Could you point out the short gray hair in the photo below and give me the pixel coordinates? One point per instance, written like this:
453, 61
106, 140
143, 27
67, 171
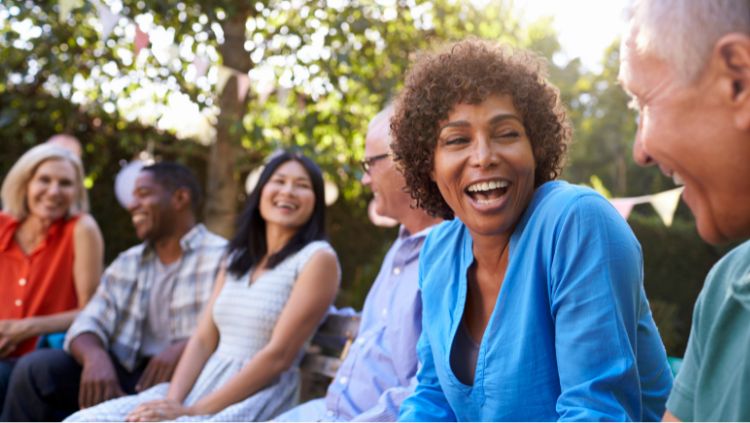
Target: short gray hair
13, 191
683, 32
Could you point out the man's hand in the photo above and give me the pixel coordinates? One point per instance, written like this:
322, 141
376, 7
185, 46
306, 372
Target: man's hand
98, 381
159, 410
161, 366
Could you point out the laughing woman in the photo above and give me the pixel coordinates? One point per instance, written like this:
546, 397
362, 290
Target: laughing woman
533, 301
281, 277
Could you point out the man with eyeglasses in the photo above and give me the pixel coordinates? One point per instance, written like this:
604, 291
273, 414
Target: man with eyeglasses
382, 362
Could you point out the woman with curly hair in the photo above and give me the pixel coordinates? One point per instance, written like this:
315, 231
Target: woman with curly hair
532, 292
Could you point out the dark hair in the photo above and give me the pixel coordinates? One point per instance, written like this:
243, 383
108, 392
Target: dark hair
248, 246
174, 176
468, 72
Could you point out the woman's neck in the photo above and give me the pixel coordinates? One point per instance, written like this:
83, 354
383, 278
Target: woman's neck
277, 237
491, 251
31, 232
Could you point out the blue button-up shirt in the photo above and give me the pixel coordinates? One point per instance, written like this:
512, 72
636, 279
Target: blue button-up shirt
375, 376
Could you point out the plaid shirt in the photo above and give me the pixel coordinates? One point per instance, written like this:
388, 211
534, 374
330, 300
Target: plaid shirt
117, 312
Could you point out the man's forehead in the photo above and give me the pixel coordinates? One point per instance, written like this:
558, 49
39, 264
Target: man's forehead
378, 132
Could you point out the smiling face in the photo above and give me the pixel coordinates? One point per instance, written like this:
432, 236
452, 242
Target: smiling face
690, 132
151, 210
287, 200
484, 165
51, 190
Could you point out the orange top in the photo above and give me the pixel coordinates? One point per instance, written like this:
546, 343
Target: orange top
40, 283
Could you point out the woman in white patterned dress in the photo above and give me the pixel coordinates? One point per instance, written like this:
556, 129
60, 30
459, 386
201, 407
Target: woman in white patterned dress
279, 279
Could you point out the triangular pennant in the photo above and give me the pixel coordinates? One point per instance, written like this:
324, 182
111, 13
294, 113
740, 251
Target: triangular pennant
201, 65
67, 6
243, 84
107, 18
140, 41
222, 78
623, 206
665, 203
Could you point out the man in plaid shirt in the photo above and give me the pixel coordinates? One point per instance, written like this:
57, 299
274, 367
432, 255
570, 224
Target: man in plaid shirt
131, 334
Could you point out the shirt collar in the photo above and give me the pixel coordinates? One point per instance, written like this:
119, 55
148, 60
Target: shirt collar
404, 234
190, 241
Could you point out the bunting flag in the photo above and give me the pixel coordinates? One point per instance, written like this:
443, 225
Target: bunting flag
67, 6
222, 78
107, 18
140, 41
243, 84
201, 65
665, 203
623, 205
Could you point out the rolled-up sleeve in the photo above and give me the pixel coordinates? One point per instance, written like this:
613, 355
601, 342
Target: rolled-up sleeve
99, 316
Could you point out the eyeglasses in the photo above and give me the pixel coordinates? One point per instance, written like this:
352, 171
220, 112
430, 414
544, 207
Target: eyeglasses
369, 161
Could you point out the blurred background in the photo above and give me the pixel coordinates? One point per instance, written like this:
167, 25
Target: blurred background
218, 85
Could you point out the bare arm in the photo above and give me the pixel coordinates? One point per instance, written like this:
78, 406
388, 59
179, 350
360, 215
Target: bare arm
313, 292
87, 269
99, 380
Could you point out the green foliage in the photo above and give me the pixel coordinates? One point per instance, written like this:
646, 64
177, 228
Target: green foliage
332, 66
676, 262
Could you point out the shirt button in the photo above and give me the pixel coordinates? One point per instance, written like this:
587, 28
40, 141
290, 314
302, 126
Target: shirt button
385, 312
396, 271
19, 303
361, 340
22, 281
329, 413
343, 380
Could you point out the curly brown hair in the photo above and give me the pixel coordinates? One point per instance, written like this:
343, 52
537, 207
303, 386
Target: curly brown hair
469, 71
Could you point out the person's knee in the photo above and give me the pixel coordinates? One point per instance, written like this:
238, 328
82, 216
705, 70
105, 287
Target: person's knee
44, 369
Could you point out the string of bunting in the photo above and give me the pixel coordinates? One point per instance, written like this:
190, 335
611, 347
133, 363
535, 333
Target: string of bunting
142, 40
665, 203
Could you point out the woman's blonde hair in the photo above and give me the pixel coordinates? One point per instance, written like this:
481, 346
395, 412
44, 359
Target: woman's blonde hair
16, 182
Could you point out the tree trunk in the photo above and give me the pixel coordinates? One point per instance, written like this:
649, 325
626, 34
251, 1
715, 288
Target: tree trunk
222, 187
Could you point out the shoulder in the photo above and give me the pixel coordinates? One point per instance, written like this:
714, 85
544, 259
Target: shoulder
316, 249
210, 239
559, 207
731, 276
7, 223
561, 198
442, 250
6, 219
131, 255
447, 233
85, 225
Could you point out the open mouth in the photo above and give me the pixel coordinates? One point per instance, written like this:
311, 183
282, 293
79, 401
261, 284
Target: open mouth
286, 205
488, 191
138, 218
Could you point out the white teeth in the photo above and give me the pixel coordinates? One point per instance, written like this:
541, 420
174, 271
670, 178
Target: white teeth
487, 186
677, 179
285, 205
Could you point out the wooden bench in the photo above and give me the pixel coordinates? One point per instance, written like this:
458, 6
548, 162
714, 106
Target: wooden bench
328, 348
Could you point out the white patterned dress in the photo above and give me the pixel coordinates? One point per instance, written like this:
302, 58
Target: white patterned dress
245, 315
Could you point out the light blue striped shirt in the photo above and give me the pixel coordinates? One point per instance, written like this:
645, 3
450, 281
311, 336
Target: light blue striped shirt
376, 374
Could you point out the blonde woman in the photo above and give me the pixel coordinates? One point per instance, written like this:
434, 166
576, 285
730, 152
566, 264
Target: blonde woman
51, 251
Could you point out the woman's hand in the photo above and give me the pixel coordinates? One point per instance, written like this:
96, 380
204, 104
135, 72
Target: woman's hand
159, 410
12, 333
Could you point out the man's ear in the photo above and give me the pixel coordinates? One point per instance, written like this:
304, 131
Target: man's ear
181, 198
733, 51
